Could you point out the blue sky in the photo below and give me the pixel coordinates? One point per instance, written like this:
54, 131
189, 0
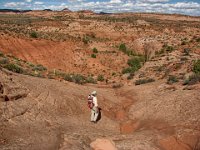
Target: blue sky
188, 7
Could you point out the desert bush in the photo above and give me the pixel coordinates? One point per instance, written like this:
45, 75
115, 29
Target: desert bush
134, 65
125, 50
76, 78
14, 68
30, 64
79, 79
68, 77
1, 54
122, 47
168, 48
90, 79
4, 61
100, 78
186, 51
184, 59
134, 62
39, 68
162, 51
129, 70
144, 81
198, 39
95, 50
193, 79
172, 79
93, 56
33, 34
113, 74
165, 48
196, 67
85, 39
183, 43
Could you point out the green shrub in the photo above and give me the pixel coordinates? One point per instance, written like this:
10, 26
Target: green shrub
134, 62
122, 47
186, 51
95, 50
198, 39
134, 65
183, 43
100, 78
129, 70
79, 79
162, 51
193, 79
184, 59
113, 74
76, 78
196, 67
4, 60
144, 81
93, 56
68, 77
172, 79
85, 39
165, 48
33, 34
125, 50
14, 68
1, 54
39, 68
30, 64
168, 48
90, 80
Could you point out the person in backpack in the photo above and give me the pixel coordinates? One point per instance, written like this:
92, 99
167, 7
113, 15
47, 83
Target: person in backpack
93, 105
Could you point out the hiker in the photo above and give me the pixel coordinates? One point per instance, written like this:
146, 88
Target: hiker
93, 105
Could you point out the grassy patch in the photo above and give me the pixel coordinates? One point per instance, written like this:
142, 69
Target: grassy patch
14, 68
95, 50
172, 79
196, 67
165, 49
4, 61
193, 79
93, 55
39, 68
100, 78
144, 81
33, 34
134, 65
125, 50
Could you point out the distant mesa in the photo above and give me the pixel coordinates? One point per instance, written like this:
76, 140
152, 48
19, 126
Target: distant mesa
103, 13
66, 10
14, 10
47, 10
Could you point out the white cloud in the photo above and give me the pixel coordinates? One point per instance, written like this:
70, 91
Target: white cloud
115, 1
38, 3
153, 1
183, 5
28, 1
14, 4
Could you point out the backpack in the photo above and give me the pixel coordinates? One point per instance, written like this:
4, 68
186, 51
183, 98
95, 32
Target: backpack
90, 102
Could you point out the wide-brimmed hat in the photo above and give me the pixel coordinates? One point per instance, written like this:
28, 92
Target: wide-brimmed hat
94, 93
